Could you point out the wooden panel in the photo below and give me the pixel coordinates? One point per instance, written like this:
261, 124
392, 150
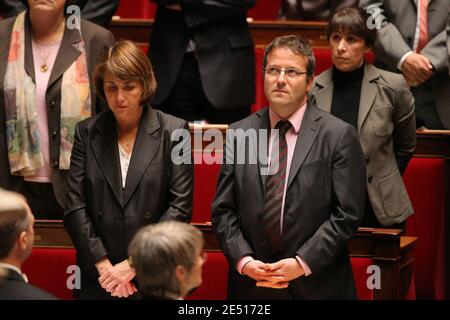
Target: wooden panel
139, 30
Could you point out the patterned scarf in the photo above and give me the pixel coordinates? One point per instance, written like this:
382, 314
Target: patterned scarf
24, 149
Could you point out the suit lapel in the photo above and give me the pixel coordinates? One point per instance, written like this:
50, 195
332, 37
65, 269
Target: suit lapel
324, 96
106, 152
67, 55
29, 61
146, 146
308, 133
368, 93
261, 121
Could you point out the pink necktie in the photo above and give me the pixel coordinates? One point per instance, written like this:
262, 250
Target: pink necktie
423, 25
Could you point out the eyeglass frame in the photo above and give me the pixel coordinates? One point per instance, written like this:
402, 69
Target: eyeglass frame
298, 72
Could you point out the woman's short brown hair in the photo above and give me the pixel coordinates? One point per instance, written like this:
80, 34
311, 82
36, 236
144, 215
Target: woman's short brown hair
352, 20
126, 61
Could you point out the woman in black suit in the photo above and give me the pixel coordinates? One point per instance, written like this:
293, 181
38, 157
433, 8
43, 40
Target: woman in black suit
122, 174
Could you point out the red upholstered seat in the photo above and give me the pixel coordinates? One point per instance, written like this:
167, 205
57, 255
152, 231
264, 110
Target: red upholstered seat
425, 182
215, 278
265, 10
205, 179
138, 9
46, 268
359, 266
144, 9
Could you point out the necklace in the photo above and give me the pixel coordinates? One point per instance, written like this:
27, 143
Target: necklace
44, 56
127, 142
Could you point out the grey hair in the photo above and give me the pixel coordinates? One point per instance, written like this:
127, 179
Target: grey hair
156, 251
298, 45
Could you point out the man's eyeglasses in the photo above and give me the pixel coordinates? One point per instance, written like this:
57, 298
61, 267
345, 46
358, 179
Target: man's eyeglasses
289, 72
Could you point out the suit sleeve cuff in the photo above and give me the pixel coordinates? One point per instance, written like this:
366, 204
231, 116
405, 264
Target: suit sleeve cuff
402, 59
242, 262
305, 267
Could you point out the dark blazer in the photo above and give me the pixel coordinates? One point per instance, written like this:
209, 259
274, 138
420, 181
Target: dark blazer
224, 49
387, 131
101, 217
323, 207
97, 11
14, 287
396, 37
312, 9
97, 40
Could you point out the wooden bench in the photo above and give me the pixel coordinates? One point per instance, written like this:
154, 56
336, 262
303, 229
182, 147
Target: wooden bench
139, 30
393, 254
427, 181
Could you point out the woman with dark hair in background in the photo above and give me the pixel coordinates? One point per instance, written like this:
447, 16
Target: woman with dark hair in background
122, 175
45, 87
379, 104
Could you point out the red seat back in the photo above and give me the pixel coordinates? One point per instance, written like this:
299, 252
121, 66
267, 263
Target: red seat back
46, 268
265, 10
137, 9
215, 279
425, 182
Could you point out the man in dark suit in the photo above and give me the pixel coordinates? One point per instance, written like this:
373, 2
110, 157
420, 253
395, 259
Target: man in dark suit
96, 11
312, 9
289, 229
203, 56
16, 242
412, 40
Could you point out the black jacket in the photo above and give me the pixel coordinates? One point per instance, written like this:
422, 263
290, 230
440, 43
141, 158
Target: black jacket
224, 49
101, 217
13, 287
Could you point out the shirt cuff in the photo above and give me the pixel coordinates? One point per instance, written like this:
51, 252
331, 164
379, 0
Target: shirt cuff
305, 267
402, 59
242, 262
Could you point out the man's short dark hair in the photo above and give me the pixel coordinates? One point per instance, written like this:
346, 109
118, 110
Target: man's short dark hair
298, 45
13, 220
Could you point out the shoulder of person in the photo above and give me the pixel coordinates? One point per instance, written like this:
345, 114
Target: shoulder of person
6, 25
391, 80
92, 31
88, 123
169, 122
323, 78
247, 122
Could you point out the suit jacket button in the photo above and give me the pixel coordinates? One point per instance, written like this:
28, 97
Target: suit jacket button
147, 215
367, 160
100, 213
52, 103
369, 179
264, 243
54, 133
55, 164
